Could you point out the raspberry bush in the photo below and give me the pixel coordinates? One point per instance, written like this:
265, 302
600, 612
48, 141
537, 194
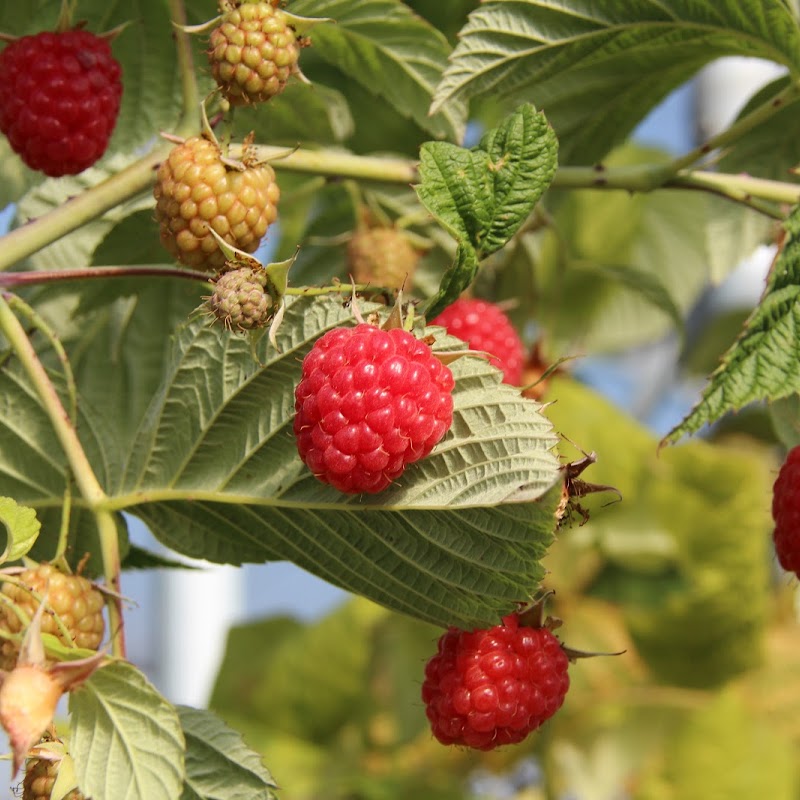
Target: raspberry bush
253, 250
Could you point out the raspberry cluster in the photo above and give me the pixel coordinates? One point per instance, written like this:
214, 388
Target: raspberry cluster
60, 95
490, 687
786, 512
486, 327
253, 52
197, 190
78, 605
369, 403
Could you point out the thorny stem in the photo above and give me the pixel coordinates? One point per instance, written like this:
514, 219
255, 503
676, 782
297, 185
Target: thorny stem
87, 482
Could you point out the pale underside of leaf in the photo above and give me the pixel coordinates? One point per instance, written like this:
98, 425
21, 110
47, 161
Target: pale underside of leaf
125, 738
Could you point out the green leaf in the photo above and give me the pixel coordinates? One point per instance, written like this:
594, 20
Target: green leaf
733, 233
483, 195
325, 117
215, 474
83, 539
764, 362
15, 177
455, 280
392, 52
74, 249
647, 285
219, 766
613, 270
785, 415
21, 529
126, 739
598, 68
139, 558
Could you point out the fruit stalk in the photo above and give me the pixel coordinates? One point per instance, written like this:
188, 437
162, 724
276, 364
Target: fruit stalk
85, 479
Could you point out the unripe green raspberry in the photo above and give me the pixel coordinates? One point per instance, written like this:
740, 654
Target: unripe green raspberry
40, 776
240, 300
78, 605
197, 190
253, 52
382, 256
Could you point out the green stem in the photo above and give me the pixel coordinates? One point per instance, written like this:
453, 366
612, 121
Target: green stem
339, 288
757, 193
183, 48
112, 568
741, 126
334, 163
87, 482
742, 189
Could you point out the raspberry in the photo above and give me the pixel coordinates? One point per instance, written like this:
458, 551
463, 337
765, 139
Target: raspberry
77, 603
240, 299
40, 775
484, 326
59, 99
490, 687
253, 52
786, 512
382, 257
195, 190
369, 403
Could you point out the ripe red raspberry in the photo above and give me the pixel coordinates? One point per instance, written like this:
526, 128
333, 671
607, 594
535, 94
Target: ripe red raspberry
485, 326
77, 603
487, 688
59, 99
786, 512
369, 403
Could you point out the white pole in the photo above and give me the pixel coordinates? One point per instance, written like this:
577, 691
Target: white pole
196, 610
